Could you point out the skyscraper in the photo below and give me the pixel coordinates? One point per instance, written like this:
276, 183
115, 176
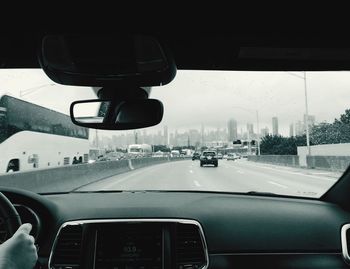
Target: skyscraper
202, 134
232, 130
275, 126
311, 120
264, 132
299, 128
291, 130
176, 137
166, 136
250, 130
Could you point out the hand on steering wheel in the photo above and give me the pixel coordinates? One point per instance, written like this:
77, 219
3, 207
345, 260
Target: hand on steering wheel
19, 250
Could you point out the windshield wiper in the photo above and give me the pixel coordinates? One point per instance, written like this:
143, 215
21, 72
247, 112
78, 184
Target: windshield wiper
262, 193
105, 191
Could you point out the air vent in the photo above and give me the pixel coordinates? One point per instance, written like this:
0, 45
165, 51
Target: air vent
190, 249
67, 251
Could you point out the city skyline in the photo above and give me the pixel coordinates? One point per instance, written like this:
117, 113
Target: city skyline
241, 94
200, 136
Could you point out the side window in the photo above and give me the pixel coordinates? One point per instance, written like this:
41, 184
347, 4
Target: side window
66, 160
13, 165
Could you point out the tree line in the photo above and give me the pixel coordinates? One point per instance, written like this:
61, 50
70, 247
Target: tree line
322, 133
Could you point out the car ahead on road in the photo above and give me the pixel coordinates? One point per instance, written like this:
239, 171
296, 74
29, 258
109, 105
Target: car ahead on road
209, 157
232, 157
175, 153
220, 156
196, 156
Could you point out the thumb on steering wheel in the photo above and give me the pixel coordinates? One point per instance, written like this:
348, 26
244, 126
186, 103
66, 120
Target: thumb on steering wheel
25, 228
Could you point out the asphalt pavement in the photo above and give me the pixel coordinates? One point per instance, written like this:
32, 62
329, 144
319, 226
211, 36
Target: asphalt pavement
229, 176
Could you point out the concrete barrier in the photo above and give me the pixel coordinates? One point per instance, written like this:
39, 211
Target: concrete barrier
68, 178
330, 163
286, 160
325, 150
143, 162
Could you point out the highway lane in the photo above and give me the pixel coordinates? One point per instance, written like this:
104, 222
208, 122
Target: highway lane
230, 176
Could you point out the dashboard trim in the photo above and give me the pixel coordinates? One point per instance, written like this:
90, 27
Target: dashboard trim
275, 253
158, 220
344, 245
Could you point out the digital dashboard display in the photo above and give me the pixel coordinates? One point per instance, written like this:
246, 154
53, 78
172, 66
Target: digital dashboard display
136, 246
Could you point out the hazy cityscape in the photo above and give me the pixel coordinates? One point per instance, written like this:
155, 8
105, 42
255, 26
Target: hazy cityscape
203, 136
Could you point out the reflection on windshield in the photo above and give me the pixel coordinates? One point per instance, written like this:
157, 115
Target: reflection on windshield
266, 137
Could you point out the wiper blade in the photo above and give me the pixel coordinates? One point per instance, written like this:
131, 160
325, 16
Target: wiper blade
261, 193
98, 191
111, 191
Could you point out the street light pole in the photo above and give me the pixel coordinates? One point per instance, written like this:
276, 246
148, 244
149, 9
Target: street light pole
306, 112
258, 131
307, 118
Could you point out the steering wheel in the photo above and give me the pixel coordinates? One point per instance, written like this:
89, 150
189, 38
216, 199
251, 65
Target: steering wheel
10, 217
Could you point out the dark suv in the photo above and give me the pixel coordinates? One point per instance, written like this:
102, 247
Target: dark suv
209, 157
196, 156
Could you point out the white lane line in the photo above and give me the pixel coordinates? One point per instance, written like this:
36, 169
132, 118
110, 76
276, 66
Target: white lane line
196, 183
277, 184
123, 177
321, 173
297, 173
191, 171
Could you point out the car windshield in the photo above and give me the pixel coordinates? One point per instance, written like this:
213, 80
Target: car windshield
289, 133
135, 150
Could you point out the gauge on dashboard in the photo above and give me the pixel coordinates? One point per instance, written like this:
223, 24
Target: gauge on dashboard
27, 215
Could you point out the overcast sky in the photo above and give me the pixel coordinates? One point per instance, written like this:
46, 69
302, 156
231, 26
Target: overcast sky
211, 97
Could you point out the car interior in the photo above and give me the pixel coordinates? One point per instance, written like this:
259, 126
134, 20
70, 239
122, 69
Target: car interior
173, 229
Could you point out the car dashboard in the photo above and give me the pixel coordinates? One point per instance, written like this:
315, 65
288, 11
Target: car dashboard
183, 230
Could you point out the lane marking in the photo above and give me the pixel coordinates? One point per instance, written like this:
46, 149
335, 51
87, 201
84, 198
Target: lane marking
120, 178
196, 183
322, 173
277, 184
296, 173
191, 171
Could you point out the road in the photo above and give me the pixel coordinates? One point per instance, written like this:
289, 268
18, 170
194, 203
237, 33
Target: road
229, 176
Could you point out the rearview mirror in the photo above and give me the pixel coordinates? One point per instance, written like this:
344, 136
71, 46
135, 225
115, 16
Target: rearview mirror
117, 115
106, 60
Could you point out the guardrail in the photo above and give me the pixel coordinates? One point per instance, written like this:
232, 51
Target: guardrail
286, 160
68, 178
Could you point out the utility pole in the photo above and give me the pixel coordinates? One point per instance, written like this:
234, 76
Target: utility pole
307, 118
249, 144
306, 111
258, 131
96, 139
136, 139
